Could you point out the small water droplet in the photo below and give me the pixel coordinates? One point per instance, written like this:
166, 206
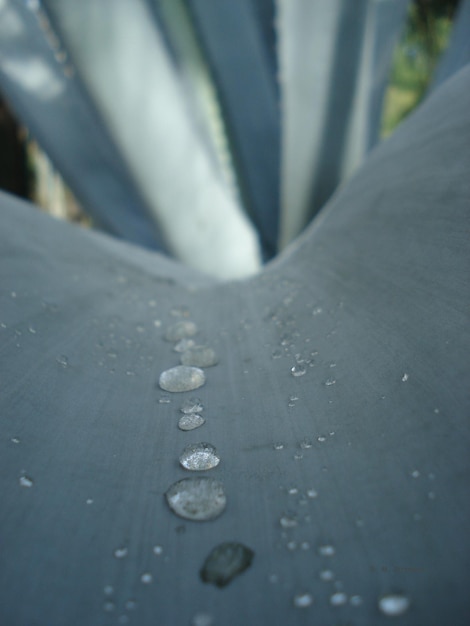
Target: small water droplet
180, 330
276, 354
130, 373
305, 444
31, 329
312, 493
291, 545
330, 381
190, 421
199, 457
108, 590
192, 405
164, 399
326, 575
288, 521
273, 578
298, 456
15, 440
146, 578
183, 345
89, 501
317, 310
355, 600
225, 562
13, 294
157, 323
130, 605
199, 356
293, 491
108, 607
303, 600
202, 619
62, 360
339, 598
298, 370
158, 550
405, 377
120, 553
305, 545
321, 439
140, 329
182, 378
197, 499
278, 446
326, 550
394, 605
415, 474
25, 481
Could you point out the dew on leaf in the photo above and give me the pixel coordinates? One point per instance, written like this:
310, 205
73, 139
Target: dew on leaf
199, 457
225, 562
181, 378
197, 499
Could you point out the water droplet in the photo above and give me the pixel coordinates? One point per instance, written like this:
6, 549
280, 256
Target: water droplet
394, 605
273, 578
192, 405
13, 294
326, 550
338, 598
200, 356
130, 605
108, 590
25, 481
146, 578
276, 354
288, 521
202, 619
199, 457
164, 399
15, 440
305, 545
305, 444
405, 377
197, 499
278, 446
225, 562
180, 330
317, 310
191, 421
326, 575
89, 501
31, 329
355, 600
120, 553
293, 491
291, 545
321, 439
157, 550
303, 600
298, 370
415, 474
62, 360
182, 378
330, 381
184, 344
108, 607
157, 323
130, 373
312, 493
298, 456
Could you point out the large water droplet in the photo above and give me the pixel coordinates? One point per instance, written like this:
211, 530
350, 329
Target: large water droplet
226, 561
180, 330
191, 421
394, 605
182, 378
303, 600
197, 499
192, 405
199, 457
200, 356
25, 481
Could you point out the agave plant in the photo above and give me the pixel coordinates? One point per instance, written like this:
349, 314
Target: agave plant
325, 479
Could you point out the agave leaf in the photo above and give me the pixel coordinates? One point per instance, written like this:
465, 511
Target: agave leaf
38, 79
335, 59
375, 295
